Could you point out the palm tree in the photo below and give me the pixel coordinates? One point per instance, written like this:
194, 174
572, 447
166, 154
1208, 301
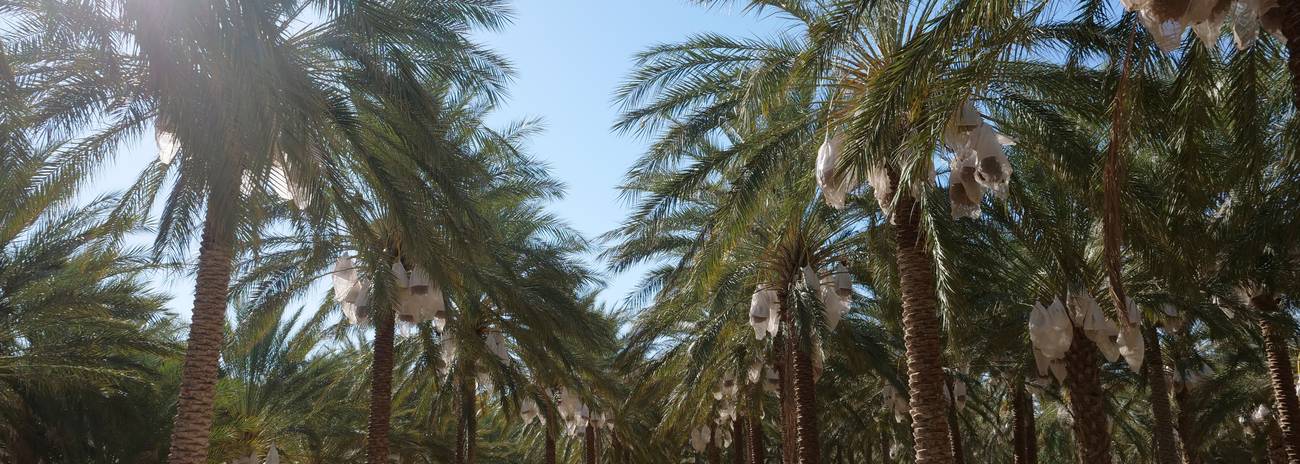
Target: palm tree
79, 327
290, 116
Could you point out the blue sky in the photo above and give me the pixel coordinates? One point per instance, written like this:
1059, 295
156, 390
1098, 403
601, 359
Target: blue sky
569, 55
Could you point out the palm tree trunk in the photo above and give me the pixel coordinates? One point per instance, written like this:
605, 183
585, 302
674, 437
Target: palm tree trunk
1279, 370
193, 424
785, 372
714, 452
921, 337
803, 402
1031, 431
460, 431
616, 449
550, 447
738, 442
1022, 430
805, 398
1166, 450
884, 443
954, 429
755, 443
1087, 401
1191, 446
381, 388
590, 442
1276, 444
1018, 425
470, 409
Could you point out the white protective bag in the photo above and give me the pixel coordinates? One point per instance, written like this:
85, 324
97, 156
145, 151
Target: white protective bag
835, 186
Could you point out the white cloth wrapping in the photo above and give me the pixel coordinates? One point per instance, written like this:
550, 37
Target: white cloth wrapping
1096, 326
168, 146
528, 410
959, 394
994, 170
835, 185
843, 280
964, 191
700, 438
344, 277
760, 310
1051, 333
834, 305
496, 344
1132, 346
356, 310
882, 190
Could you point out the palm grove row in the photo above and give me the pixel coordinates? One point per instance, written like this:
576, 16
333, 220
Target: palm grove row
893, 231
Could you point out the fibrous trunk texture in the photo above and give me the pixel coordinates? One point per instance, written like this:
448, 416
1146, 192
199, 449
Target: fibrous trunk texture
884, 444
381, 388
590, 444
193, 423
1022, 434
1279, 371
1166, 449
805, 393
785, 370
616, 449
1031, 431
1276, 446
738, 440
471, 421
1087, 401
921, 336
756, 442
1186, 433
806, 444
550, 448
954, 430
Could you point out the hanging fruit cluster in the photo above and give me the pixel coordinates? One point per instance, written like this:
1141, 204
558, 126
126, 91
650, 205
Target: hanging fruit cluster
979, 161
1166, 20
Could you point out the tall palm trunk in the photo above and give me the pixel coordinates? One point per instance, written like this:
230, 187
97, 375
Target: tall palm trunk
1087, 401
785, 372
1191, 446
1022, 435
550, 447
714, 452
381, 388
1166, 450
616, 449
589, 440
1031, 431
738, 441
469, 407
756, 442
1276, 444
189, 442
805, 394
884, 443
921, 336
803, 402
954, 429
1279, 371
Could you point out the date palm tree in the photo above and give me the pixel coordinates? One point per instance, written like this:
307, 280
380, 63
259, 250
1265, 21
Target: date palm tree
79, 325
235, 90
